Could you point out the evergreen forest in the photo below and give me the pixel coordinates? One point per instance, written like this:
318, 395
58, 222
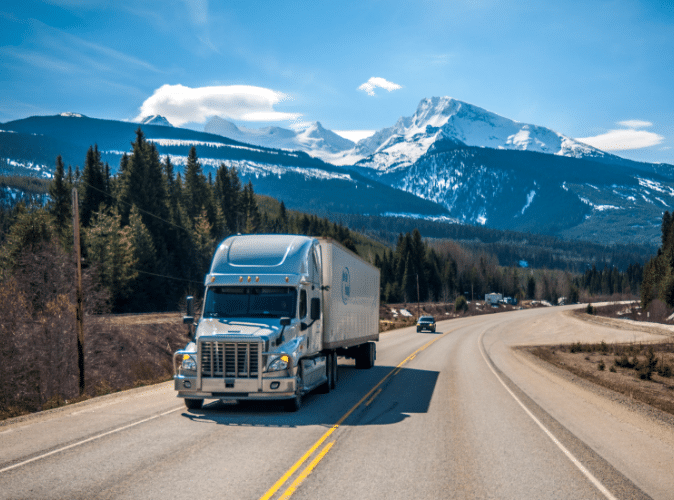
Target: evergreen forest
148, 233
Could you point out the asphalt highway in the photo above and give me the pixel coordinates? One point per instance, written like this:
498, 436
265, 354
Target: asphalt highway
452, 414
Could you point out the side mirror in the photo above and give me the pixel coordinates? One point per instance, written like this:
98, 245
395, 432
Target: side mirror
188, 319
285, 321
315, 309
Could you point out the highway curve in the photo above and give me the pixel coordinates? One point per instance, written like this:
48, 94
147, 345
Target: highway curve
455, 414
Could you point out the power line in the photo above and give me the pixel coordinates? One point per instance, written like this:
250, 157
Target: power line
151, 215
132, 205
167, 277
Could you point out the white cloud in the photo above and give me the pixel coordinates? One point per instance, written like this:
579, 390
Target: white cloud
355, 135
627, 138
635, 124
180, 104
375, 82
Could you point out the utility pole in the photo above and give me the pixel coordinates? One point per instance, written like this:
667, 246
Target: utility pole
79, 309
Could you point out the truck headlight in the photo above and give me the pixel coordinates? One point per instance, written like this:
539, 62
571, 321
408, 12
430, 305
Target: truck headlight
278, 364
188, 365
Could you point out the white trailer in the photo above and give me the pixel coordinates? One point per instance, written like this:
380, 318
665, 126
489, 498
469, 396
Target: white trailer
277, 311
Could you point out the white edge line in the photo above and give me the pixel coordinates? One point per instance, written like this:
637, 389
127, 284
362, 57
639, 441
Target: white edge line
568, 454
92, 438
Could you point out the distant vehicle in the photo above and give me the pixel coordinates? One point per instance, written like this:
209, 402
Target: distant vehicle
277, 311
493, 298
426, 323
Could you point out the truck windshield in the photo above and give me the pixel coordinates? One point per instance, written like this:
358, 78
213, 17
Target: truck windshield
250, 302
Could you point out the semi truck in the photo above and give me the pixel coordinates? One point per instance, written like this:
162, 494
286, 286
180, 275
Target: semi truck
277, 312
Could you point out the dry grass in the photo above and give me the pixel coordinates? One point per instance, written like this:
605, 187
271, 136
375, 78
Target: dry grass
637, 370
121, 352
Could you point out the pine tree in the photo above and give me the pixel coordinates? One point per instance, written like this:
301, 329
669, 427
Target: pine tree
59, 192
204, 245
142, 183
282, 220
252, 213
110, 248
148, 289
93, 185
195, 192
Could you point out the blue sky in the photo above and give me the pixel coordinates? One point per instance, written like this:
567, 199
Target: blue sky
602, 71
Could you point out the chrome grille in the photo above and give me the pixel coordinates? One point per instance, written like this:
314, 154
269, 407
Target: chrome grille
230, 359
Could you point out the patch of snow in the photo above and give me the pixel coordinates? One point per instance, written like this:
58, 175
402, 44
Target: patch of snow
435, 218
245, 167
530, 198
405, 312
650, 184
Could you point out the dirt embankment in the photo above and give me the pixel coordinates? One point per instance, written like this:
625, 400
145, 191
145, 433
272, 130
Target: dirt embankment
120, 352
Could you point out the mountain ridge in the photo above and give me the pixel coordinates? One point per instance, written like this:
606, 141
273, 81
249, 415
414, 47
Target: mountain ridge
449, 160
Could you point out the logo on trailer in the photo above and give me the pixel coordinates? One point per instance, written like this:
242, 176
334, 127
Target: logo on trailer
346, 285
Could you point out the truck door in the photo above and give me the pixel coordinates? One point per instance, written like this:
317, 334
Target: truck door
314, 292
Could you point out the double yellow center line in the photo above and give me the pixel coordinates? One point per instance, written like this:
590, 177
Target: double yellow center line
295, 484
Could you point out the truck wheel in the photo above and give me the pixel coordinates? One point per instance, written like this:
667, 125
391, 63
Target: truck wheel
334, 370
295, 403
372, 354
329, 384
194, 404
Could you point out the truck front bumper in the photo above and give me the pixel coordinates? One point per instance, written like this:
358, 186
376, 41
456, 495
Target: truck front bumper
235, 388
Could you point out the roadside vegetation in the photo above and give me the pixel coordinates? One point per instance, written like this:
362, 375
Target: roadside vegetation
640, 371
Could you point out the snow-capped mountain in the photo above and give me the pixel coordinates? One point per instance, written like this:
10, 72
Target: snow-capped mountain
446, 119
155, 120
449, 159
489, 170
30, 146
315, 140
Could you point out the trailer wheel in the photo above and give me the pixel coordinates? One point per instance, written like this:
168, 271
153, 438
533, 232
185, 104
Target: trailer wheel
194, 404
372, 354
366, 356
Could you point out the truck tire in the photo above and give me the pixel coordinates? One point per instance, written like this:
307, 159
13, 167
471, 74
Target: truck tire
294, 404
334, 369
366, 356
194, 404
372, 354
329, 383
